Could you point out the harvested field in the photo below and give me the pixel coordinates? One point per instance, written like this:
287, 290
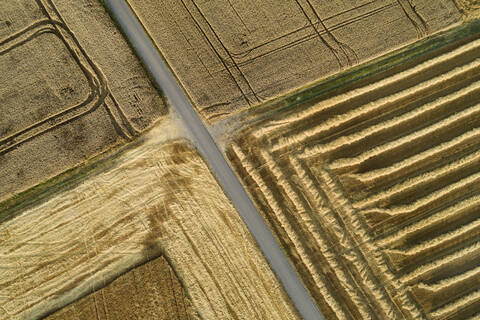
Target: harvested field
151, 291
154, 198
70, 88
469, 8
374, 189
230, 55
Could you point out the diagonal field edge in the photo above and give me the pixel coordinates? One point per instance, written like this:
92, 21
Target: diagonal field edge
214, 158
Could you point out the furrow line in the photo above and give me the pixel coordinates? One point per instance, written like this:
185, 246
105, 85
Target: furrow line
374, 108
311, 112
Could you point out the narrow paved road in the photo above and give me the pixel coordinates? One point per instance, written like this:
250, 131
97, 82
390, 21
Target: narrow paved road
215, 159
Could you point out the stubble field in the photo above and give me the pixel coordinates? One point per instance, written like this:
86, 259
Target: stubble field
156, 198
71, 89
369, 180
151, 291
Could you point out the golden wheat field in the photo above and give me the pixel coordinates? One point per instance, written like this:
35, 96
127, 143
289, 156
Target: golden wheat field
150, 291
230, 55
147, 217
70, 88
354, 127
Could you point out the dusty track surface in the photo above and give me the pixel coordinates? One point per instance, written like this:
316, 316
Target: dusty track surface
230, 55
375, 192
70, 89
154, 198
151, 291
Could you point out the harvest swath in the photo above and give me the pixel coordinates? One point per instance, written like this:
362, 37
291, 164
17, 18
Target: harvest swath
374, 193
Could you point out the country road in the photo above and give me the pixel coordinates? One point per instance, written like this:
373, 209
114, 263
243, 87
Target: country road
214, 158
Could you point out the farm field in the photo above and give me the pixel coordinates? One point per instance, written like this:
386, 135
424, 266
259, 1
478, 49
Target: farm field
371, 182
70, 88
85, 222
354, 126
153, 198
231, 55
151, 291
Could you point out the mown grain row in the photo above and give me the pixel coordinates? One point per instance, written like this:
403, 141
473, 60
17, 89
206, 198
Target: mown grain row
374, 192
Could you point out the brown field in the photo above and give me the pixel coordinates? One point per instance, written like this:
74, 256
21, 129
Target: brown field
230, 55
70, 88
151, 291
374, 192
152, 199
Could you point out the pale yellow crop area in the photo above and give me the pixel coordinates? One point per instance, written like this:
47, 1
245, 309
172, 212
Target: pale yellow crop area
156, 198
374, 192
